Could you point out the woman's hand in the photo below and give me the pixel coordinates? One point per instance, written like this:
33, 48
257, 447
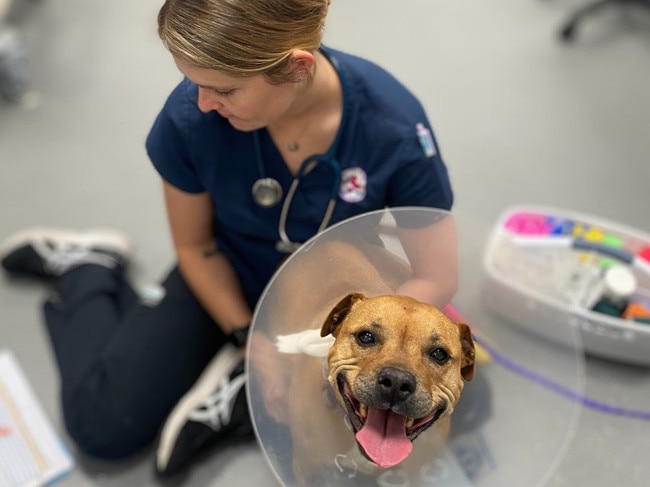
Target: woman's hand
272, 376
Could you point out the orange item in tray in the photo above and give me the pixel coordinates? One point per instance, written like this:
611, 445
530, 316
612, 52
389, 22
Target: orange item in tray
636, 310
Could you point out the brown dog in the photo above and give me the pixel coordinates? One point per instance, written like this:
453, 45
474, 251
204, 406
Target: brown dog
331, 406
396, 367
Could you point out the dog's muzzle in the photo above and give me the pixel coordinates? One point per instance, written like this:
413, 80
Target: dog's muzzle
383, 428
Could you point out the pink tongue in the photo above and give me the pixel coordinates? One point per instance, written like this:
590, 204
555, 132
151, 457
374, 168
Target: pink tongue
383, 437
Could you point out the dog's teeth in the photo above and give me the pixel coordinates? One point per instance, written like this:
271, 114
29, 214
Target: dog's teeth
410, 422
363, 411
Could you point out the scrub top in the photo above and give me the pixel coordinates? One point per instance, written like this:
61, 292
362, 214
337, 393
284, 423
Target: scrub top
387, 153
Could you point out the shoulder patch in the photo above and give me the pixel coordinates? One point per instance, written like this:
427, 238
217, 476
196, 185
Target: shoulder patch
426, 140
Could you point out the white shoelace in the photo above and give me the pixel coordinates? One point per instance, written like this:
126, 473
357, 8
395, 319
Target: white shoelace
216, 410
59, 257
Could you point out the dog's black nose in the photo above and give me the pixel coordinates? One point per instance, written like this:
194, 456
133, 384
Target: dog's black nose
395, 385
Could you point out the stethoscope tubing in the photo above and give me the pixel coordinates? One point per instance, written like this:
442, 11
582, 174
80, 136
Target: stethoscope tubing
285, 244
331, 205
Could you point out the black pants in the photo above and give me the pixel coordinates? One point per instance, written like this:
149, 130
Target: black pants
124, 365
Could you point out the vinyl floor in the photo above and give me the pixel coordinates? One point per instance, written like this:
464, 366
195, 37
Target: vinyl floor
521, 117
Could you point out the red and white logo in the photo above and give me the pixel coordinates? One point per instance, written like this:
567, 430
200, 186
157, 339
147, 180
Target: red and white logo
353, 185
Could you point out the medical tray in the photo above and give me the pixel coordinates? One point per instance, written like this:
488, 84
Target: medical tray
541, 265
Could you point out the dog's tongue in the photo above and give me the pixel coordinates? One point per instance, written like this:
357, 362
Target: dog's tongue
383, 437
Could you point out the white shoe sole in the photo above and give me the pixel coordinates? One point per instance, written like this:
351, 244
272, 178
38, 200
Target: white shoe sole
223, 363
102, 238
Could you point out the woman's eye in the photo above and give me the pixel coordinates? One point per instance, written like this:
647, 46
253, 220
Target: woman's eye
365, 338
223, 92
439, 355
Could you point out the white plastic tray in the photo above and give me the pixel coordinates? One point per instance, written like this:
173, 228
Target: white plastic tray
538, 279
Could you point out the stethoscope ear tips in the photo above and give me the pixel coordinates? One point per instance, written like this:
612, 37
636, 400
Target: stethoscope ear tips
267, 192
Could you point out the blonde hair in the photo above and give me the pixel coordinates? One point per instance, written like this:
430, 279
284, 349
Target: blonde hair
243, 37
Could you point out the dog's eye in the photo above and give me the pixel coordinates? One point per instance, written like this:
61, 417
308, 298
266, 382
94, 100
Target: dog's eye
440, 355
365, 338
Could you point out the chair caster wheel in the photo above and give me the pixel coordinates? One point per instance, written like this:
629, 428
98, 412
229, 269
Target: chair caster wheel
567, 33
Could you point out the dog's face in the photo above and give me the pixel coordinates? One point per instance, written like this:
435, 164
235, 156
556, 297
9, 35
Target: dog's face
397, 366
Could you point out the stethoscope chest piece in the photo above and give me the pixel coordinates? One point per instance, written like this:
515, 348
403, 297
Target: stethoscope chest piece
267, 192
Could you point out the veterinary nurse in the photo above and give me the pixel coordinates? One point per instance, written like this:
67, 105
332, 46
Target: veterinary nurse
235, 146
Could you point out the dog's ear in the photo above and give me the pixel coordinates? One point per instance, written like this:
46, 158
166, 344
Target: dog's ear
338, 314
469, 354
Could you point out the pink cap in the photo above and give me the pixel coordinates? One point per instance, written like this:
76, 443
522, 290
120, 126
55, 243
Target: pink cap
644, 253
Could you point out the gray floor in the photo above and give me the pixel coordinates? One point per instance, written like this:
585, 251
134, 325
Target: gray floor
521, 118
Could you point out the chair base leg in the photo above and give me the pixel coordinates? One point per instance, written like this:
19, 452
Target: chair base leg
568, 30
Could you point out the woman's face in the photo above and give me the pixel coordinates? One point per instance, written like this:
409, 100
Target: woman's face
248, 103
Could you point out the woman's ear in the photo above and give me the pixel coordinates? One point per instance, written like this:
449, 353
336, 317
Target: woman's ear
302, 63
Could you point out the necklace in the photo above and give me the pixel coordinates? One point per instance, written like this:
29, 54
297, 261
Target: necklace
293, 145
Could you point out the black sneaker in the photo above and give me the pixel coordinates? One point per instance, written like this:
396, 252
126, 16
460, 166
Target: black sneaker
46, 252
214, 410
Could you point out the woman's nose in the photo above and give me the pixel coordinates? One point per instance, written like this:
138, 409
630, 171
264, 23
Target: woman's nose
208, 102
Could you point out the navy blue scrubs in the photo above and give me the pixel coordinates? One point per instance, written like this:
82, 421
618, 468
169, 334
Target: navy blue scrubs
382, 160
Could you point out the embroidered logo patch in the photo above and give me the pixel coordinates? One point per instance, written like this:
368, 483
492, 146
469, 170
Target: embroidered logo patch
426, 140
353, 185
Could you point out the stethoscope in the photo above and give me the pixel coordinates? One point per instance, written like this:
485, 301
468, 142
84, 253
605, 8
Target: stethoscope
267, 192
